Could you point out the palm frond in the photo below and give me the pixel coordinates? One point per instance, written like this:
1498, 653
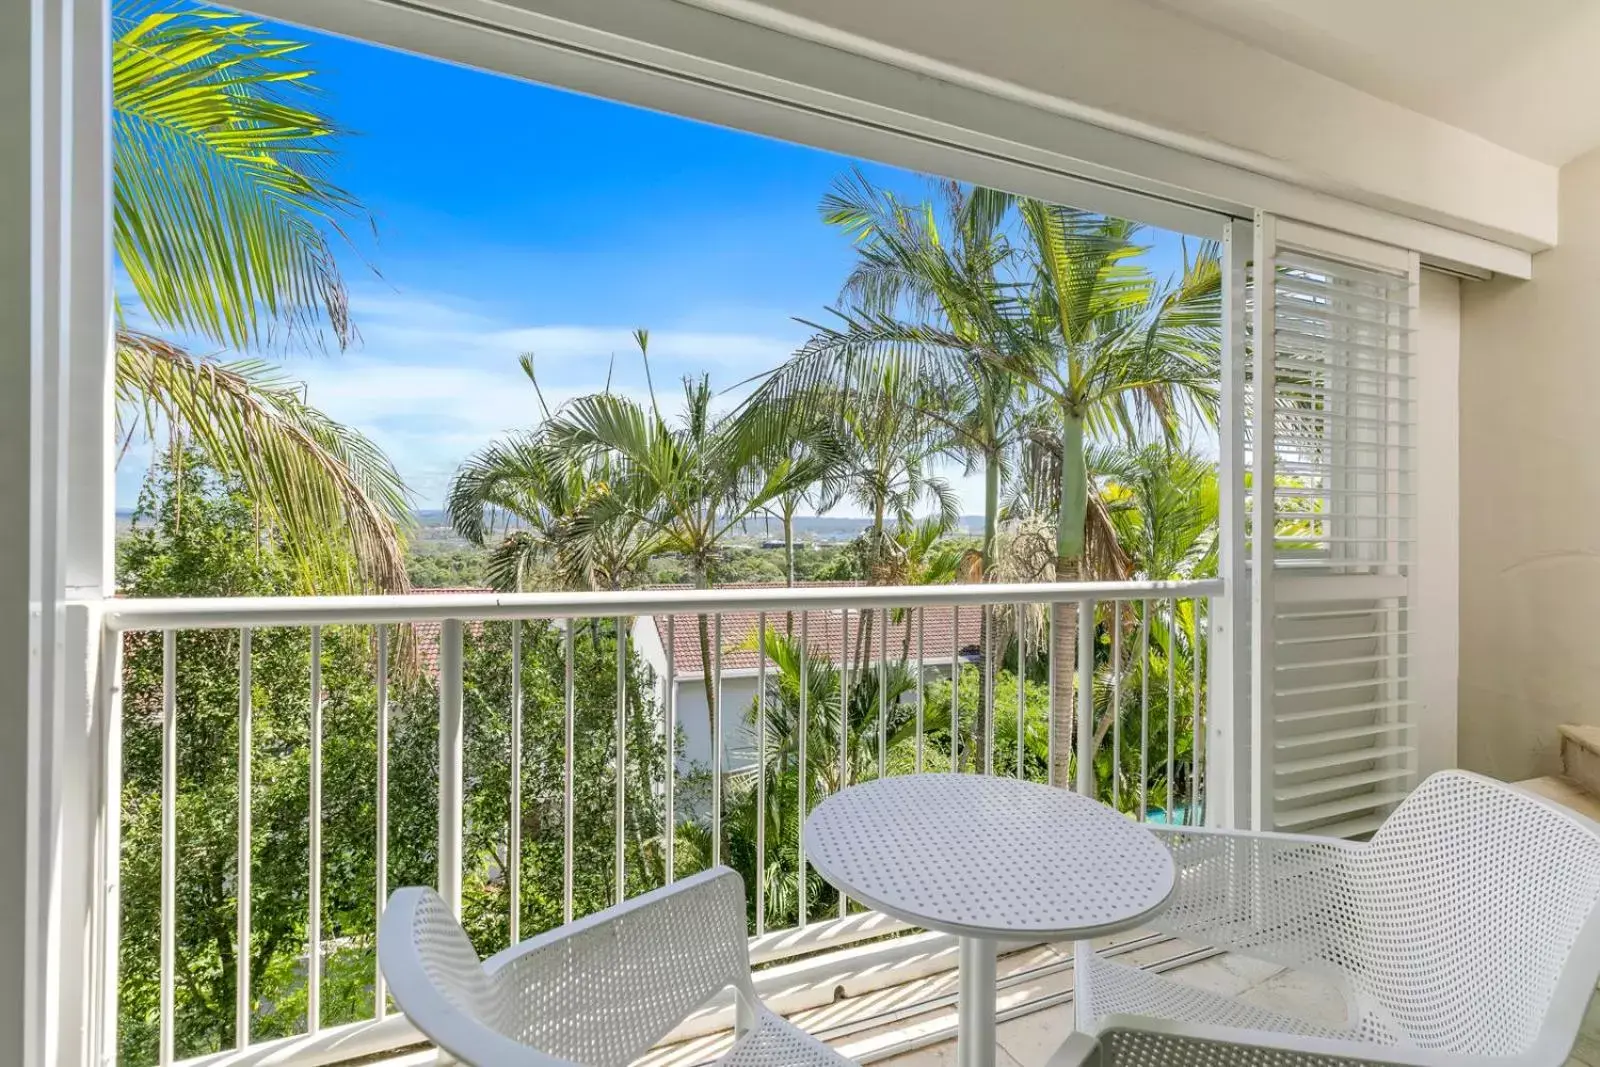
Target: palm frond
310, 475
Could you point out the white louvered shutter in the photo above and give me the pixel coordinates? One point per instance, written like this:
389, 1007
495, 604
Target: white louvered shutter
1332, 342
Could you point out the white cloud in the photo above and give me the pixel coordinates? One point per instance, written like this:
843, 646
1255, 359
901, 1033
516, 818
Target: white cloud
436, 378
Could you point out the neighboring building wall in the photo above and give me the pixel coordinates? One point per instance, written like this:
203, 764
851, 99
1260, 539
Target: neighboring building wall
1530, 497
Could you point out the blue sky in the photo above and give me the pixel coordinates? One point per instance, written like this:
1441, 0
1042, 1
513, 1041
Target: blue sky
513, 217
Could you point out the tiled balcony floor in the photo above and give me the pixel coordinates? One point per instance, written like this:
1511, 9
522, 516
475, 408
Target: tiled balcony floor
1030, 1039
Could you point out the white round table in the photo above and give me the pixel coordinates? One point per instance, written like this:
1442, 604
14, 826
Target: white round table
988, 859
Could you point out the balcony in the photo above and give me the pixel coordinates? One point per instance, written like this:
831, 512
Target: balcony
383, 738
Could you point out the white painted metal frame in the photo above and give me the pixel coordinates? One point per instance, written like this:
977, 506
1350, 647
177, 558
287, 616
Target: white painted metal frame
451, 611
766, 73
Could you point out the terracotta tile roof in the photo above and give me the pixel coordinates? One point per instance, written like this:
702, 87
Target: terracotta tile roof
943, 628
427, 633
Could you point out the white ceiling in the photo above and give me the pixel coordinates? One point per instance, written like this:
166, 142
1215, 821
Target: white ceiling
1524, 74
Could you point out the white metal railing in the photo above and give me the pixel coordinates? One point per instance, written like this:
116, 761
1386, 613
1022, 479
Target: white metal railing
1129, 635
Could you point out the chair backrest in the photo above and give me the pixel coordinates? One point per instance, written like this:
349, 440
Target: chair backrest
1476, 919
597, 992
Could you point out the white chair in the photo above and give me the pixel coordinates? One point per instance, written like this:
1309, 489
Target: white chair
598, 992
1466, 932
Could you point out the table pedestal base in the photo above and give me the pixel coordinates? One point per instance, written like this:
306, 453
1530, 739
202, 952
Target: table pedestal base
975, 1037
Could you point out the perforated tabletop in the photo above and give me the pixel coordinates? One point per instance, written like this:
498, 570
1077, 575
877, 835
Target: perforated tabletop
988, 857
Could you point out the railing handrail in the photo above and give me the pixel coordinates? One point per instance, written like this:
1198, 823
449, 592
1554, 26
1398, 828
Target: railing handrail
194, 613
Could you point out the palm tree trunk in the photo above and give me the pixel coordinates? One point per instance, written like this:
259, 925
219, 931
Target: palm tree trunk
704, 626
1064, 615
991, 509
788, 559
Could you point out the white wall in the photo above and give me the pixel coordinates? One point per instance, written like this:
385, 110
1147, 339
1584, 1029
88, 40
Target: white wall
1530, 497
1436, 603
738, 736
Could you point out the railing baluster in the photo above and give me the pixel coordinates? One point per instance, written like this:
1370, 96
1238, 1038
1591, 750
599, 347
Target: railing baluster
1144, 710
1085, 717
169, 837
241, 974
1022, 688
451, 781
381, 861
883, 691
314, 895
804, 772
1172, 707
1053, 696
670, 831
844, 707
987, 697
621, 817
921, 674
1116, 705
761, 773
1197, 749
718, 764
514, 835
955, 688
568, 780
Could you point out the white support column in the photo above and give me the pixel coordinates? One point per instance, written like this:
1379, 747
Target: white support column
1263, 540
55, 726
1227, 799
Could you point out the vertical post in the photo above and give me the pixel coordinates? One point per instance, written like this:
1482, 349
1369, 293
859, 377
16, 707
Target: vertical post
620, 860
718, 764
109, 929
451, 783
568, 780
955, 687
1227, 781
314, 896
380, 996
1022, 689
514, 837
987, 700
169, 839
1263, 539
1144, 710
1085, 716
1050, 668
668, 801
1197, 721
1172, 710
1116, 705
883, 690
803, 773
844, 708
244, 859
761, 773
922, 670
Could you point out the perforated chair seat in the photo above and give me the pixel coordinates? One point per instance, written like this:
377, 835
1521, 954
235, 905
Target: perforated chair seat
1466, 932
599, 992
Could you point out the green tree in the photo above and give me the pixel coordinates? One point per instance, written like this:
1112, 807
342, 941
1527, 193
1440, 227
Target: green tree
691, 483
222, 216
1116, 355
196, 534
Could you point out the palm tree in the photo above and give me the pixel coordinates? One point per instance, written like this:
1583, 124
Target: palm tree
920, 314
522, 478
221, 222
691, 483
1115, 355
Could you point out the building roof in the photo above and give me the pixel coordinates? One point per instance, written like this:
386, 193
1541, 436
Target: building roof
944, 629
427, 632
